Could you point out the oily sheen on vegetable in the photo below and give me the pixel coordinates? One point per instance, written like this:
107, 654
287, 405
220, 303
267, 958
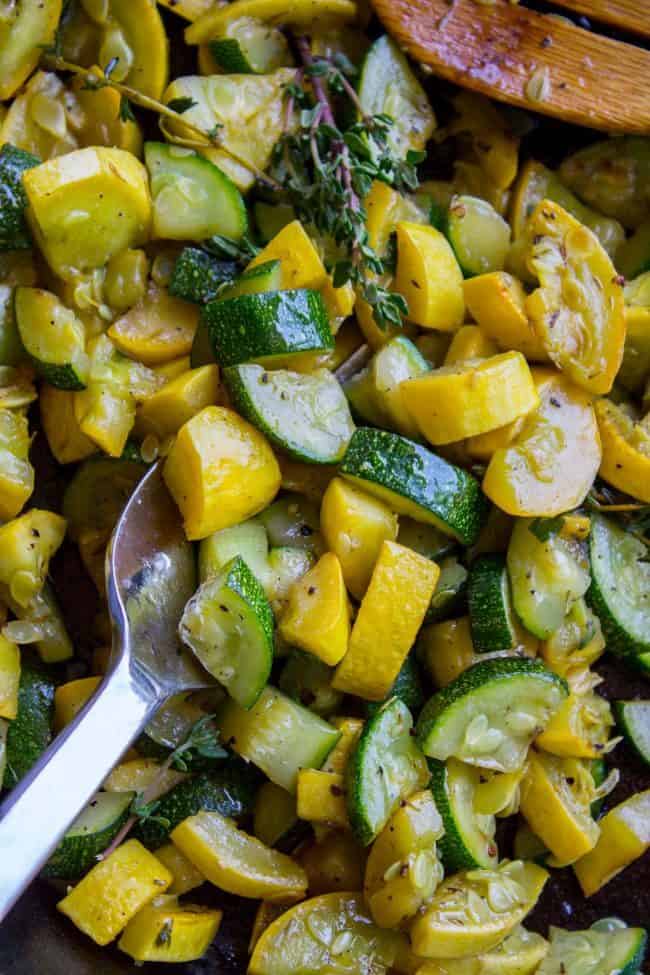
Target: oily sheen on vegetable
395, 368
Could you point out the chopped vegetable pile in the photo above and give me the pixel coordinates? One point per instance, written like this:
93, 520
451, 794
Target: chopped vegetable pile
396, 373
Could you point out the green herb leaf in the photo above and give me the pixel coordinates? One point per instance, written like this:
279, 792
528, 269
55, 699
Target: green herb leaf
126, 111
543, 528
181, 105
164, 936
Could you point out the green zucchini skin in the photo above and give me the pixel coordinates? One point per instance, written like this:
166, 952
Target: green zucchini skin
228, 790
258, 327
198, 277
633, 719
407, 687
455, 850
30, 732
620, 601
78, 852
416, 478
490, 613
14, 232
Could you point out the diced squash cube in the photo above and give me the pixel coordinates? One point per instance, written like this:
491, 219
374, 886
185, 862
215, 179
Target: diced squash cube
321, 798
186, 876
389, 618
429, 278
64, 436
496, 301
166, 411
350, 729
626, 450
237, 862
624, 837
469, 342
167, 931
275, 813
317, 616
301, 265
16, 472
334, 862
220, 471
26, 547
24, 31
446, 649
86, 206
9, 678
71, 697
138, 774
104, 901
355, 525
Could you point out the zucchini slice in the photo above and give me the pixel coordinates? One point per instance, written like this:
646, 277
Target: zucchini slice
548, 573
489, 715
229, 790
269, 327
479, 236
468, 840
449, 597
620, 583
278, 735
597, 951
307, 415
199, 277
389, 87
407, 687
385, 767
53, 337
228, 624
307, 679
633, 718
14, 232
249, 46
192, 198
491, 615
248, 539
263, 277
30, 732
414, 481
89, 835
293, 520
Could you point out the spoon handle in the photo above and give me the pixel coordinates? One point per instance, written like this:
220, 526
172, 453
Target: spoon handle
48, 799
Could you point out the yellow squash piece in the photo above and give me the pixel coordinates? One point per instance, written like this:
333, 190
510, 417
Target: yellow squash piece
125, 282
220, 471
556, 794
624, 837
403, 869
70, 698
473, 911
25, 29
250, 110
577, 311
188, 9
626, 450
49, 118
579, 728
335, 862
528, 477
86, 206
355, 526
471, 397
26, 546
138, 774
156, 330
64, 436
311, 480
322, 929
317, 615
350, 729
429, 278
321, 798
16, 472
301, 265
265, 914
387, 623
275, 813
115, 889
446, 649
167, 931
9, 678
497, 301
237, 862
521, 953
295, 12
469, 342
178, 401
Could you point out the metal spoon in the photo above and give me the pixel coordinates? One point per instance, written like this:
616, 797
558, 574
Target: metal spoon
150, 576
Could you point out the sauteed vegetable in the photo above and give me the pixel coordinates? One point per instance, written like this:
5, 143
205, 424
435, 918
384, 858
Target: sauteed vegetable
405, 421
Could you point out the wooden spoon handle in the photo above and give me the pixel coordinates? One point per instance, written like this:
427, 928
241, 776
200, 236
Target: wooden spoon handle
498, 49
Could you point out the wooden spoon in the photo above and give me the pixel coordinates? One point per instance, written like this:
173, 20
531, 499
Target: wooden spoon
532, 60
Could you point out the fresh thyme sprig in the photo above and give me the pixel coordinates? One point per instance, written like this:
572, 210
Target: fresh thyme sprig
327, 170
203, 740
